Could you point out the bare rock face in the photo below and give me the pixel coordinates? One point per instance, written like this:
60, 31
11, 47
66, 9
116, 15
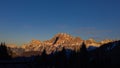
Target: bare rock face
65, 39
60, 38
59, 41
56, 43
106, 41
14, 50
32, 46
91, 42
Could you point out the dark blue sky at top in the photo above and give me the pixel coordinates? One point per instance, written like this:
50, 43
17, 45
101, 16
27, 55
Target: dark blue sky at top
23, 20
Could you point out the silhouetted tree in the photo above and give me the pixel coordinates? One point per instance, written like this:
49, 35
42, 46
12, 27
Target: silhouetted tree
82, 57
41, 60
4, 54
60, 59
73, 60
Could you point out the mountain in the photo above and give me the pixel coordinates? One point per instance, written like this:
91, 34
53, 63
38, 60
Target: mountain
64, 40
92, 42
60, 40
106, 41
32, 45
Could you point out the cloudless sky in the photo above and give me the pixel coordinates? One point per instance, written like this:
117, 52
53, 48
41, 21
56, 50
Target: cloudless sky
23, 20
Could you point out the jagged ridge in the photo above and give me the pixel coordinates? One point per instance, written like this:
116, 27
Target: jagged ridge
55, 44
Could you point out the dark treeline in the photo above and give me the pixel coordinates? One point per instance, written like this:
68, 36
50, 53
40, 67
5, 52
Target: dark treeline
108, 55
4, 54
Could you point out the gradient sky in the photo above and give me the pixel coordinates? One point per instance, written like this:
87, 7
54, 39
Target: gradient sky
23, 20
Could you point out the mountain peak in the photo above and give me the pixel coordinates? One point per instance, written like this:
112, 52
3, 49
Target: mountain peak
91, 40
62, 35
56, 43
35, 41
106, 41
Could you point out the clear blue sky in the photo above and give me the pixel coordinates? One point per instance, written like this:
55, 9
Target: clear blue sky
23, 20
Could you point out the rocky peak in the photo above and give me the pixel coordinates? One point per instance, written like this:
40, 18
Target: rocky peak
63, 35
35, 42
33, 45
77, 39
59, 41
91, 42
60, 38
106, 41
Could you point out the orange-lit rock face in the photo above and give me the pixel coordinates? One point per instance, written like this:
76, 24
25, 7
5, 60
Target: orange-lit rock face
62, 39
35, 42
65, 39
33, 45
106, 41
59, 41
91, 42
